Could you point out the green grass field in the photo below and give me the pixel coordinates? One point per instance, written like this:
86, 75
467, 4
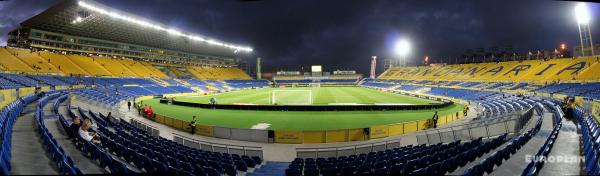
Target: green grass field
296, 120
320, 96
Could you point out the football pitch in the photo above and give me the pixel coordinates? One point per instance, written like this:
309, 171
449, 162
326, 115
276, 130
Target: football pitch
301, 120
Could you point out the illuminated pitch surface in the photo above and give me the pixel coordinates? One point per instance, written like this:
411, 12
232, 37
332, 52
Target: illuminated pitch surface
299, 120
320, 96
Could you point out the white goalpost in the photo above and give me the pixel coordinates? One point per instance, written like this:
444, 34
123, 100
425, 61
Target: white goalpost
291, 97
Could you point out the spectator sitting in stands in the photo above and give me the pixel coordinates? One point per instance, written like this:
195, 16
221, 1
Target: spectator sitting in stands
85, 134
74, 128
109, 117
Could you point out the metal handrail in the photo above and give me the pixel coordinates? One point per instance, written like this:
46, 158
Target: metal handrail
213, 144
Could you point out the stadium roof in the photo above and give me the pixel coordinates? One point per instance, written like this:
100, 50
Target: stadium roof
87, 18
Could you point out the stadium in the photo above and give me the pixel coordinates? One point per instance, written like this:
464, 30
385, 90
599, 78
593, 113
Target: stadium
87, 88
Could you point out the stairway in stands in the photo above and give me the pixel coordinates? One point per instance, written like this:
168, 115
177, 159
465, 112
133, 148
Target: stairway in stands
83, 162
28, 155
565, 146
270, 169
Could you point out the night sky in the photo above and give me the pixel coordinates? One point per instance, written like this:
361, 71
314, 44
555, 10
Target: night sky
344, 34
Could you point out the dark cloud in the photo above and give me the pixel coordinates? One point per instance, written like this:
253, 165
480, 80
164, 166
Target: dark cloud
14, 12
344, 34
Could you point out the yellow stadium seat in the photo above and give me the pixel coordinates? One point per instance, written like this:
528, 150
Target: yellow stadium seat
115, 67
153, 69
65, 64
539, 71
592, 73
218, 73
572, 70
34, 61
89, 65
140, 69
9, 62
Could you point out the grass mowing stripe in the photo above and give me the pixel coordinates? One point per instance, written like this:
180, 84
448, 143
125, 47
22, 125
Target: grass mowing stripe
292, 120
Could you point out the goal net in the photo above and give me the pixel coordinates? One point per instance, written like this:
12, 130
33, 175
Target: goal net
291, 97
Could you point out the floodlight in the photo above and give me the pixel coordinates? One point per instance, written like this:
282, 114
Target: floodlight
582, 14
402, 47
158, 27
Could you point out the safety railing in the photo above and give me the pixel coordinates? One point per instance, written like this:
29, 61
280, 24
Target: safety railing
325, 152
470, 132
218, 147
150, 129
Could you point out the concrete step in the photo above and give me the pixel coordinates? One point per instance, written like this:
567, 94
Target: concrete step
28, 154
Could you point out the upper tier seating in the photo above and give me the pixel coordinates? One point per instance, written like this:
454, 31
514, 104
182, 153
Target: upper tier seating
141, 69
66, 65
22, 60
9, 62
218, 73
34, 61
90, 65
115, 67
514, 71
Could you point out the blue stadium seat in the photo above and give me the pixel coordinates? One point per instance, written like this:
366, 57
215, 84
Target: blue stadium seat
293, 172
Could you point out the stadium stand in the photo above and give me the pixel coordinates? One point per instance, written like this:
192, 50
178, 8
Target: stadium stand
515, 71
435, 159
46, 85
247, 83
23, 80
217, 73
64, 63
50, 80
34, 61
115, 67
128, 149
9, 115
10, 63
140, 69
91, 66
135, 148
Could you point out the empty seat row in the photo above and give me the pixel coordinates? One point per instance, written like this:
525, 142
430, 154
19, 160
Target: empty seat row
435, 159
495, 159
8, 116
590, 139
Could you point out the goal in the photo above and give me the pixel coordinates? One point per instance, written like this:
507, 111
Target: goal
314, 84
291, 97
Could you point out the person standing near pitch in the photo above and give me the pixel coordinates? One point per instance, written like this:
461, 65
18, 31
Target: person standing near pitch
435, 119
193, 124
